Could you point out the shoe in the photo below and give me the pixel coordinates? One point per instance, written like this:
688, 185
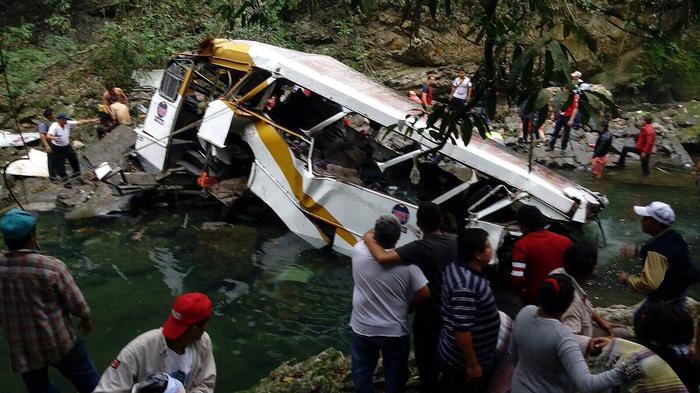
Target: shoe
68, 186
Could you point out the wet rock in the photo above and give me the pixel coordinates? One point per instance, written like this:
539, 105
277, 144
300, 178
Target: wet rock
90, 202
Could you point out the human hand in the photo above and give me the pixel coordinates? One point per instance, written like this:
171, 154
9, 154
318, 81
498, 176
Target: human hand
474, 372
595, 345
368, 236
570, 123
643, 155
85, 325
622, 278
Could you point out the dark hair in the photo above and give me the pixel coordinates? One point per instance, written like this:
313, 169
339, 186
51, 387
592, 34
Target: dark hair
648, 118
663, 324
48, 112
530, 217
113, 98
580, 259
17, 244
428, 217
109, 86
387, 231
470, 241
556, 294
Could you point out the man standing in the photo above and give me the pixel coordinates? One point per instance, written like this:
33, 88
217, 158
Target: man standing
644, 146
565, 119
460, 90
381, 298
59, 135
38, 295
667, 271
426, 95
431, 254
601, 149
181, 349
535, 254
470, 317
43, 128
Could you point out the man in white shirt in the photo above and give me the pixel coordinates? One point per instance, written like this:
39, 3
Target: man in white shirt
59, 137
181, 349
381, 298
460, 90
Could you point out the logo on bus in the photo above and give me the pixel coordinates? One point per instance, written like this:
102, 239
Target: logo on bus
401, 212
160, 112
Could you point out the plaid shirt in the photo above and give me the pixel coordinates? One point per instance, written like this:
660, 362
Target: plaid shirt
37, 294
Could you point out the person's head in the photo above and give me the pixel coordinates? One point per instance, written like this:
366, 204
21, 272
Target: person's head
648, 119
580, 260
429, 217
112, 99
62, 118
661, 323
530, 218
656, 217
576, 76
474, 246
556, 294
431, 79
48, 113
158, 382
387, 230
461, 73
19, 229
188, 317
109, 86
412, 93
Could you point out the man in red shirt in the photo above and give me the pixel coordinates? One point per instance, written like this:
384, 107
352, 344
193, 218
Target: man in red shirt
565, 119
427, 91
535, 254
644, 146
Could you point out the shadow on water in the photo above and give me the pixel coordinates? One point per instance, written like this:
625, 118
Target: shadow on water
276, 298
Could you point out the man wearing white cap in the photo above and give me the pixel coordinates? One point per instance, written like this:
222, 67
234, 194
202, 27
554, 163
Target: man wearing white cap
667, 271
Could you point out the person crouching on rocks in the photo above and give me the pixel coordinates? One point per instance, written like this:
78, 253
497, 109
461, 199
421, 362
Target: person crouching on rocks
546, 355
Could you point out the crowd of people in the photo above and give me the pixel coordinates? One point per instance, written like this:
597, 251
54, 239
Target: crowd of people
458, 331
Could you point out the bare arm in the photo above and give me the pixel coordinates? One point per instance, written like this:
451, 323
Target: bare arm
378, 252
422, 295
466, 346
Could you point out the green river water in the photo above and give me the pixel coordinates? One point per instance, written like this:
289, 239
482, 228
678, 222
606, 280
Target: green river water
275, 297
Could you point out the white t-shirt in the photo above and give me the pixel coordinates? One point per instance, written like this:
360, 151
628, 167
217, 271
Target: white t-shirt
63, 133
461, 88
178, 366
381, 294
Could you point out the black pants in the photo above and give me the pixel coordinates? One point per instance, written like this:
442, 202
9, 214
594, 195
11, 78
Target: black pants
633, 149
61, 153
527, 125
426, 333
562, 121
457, 103
453, 380
52, 168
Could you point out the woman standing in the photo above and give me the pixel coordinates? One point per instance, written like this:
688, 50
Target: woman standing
546, 355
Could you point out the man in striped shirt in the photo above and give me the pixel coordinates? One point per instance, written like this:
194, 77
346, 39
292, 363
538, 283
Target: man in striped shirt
37, 295
470, 317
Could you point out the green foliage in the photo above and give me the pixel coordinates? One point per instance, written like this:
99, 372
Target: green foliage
672, 64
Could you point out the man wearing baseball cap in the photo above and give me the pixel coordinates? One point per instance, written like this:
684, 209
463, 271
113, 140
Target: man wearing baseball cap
181, 349
38, 328
667, 271
59, 137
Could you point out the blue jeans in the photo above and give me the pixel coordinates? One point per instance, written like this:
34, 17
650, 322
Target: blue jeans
365, 355
76, 366
562, 121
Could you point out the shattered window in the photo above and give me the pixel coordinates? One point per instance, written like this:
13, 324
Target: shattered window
251, 81
172, 78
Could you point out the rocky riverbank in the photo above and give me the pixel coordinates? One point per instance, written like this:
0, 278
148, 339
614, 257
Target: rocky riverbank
329, 371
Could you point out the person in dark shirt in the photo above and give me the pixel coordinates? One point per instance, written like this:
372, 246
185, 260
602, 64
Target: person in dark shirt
601, 149
535, 254
431, 254
470, 318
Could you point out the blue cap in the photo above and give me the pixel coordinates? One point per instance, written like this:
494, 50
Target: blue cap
62, 115
17, 224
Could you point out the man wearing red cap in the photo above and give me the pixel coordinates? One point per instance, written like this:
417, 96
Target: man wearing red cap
181, 349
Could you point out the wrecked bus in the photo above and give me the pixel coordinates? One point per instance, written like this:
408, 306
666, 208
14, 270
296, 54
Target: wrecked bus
312, 139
